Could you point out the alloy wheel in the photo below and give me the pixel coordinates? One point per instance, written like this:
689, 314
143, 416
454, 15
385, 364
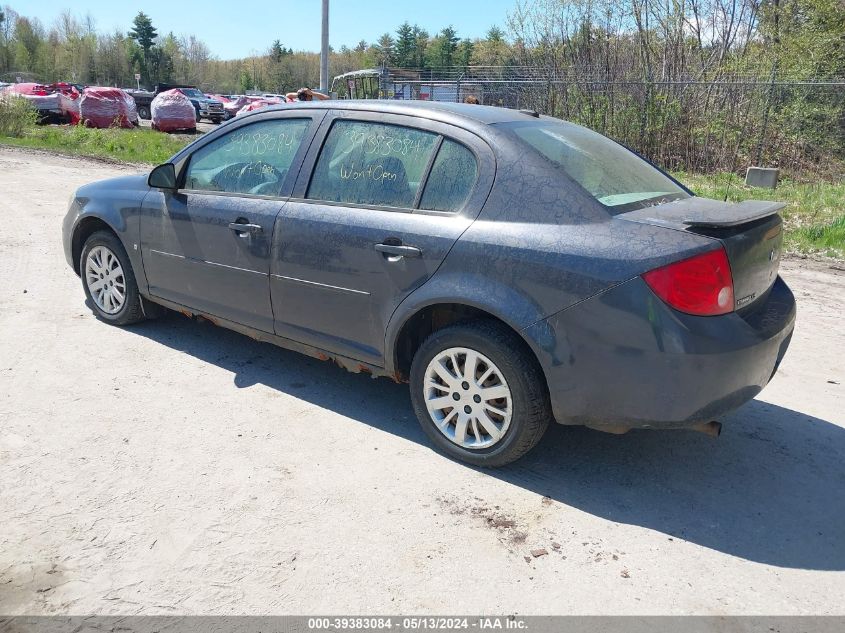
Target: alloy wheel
105, 280
468, 398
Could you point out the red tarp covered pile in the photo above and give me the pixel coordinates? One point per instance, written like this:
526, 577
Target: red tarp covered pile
107, 107
40, 96
259, 104
233, 105
171, 110
68, 101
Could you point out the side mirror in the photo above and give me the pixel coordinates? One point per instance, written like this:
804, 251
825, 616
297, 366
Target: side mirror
163, 177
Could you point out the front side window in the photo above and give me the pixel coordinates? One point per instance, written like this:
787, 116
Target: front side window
613, 175
451, 180
371, 164
253, 159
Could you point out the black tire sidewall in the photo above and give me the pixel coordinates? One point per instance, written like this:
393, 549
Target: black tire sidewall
523, 391
127, 313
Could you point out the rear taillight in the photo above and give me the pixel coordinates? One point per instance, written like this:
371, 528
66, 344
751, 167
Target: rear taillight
700, 285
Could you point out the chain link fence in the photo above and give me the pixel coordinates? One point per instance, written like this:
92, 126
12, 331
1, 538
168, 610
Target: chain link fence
723, 123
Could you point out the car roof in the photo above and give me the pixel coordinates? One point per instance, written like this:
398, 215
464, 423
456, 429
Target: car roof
457, 113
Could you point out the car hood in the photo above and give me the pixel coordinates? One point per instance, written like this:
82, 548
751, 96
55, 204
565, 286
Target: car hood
135, 182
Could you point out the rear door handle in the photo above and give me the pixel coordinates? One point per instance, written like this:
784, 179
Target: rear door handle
398, 250
239, 227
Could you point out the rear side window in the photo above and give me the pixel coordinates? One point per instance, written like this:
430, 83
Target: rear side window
371, 164
613, 175
253, 159
451, 180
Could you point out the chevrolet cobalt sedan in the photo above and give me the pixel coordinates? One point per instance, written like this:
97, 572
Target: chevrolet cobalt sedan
513, 268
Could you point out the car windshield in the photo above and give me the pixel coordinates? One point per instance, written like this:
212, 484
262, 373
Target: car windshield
612, 174
192, 92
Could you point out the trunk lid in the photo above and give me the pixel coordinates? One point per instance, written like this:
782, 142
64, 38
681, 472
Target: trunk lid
750, 231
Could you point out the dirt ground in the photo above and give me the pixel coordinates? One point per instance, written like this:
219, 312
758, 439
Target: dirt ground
174, 467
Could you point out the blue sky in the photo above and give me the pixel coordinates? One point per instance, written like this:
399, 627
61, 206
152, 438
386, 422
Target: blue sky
238, 29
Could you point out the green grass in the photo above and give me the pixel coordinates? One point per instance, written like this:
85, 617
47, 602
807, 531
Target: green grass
132, 146
814, 217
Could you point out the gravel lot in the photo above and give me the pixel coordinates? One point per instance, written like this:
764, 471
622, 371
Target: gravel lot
174, 467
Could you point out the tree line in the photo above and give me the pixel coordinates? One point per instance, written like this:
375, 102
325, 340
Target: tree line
72, 49
696, 84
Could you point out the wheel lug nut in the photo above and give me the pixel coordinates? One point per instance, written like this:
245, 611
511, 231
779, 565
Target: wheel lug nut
456, 396
465, 385
467, 409
477, 399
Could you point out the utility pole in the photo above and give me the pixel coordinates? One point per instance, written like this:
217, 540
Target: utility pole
324, 51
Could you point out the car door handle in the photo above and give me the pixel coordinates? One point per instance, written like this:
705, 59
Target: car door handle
239, 227
398, 250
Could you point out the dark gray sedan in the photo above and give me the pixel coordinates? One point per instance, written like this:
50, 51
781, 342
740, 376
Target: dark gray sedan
513, 268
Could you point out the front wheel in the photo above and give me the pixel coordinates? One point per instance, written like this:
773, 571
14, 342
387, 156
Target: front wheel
108, 280
144, 112
479, 393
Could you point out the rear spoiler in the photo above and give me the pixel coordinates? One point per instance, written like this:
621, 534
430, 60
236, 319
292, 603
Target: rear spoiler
723, 214
704, 212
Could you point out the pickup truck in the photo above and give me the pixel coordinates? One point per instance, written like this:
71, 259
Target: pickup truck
206, 108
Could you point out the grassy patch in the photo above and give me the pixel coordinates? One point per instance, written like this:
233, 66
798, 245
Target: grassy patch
133, 146
16, 116
814, 218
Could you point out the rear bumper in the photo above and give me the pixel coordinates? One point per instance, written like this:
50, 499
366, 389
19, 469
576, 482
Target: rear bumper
624, 358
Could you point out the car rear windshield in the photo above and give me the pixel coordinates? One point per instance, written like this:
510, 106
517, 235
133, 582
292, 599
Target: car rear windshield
613, 175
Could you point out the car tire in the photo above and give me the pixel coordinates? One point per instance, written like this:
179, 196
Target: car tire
144, 112
106, 271
216, 120
527, 408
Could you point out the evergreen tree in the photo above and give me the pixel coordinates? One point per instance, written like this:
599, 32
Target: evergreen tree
277, 51
495, 35
145, 34
463, 53
143, 31
421, 38
384, 50
441, 52
406, 44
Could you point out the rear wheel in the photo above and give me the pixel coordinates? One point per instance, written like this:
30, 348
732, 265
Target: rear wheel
479, 393
108, 280
144, 112
216, 120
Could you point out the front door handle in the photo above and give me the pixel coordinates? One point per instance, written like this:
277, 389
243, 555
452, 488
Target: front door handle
241, 228
397, 250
